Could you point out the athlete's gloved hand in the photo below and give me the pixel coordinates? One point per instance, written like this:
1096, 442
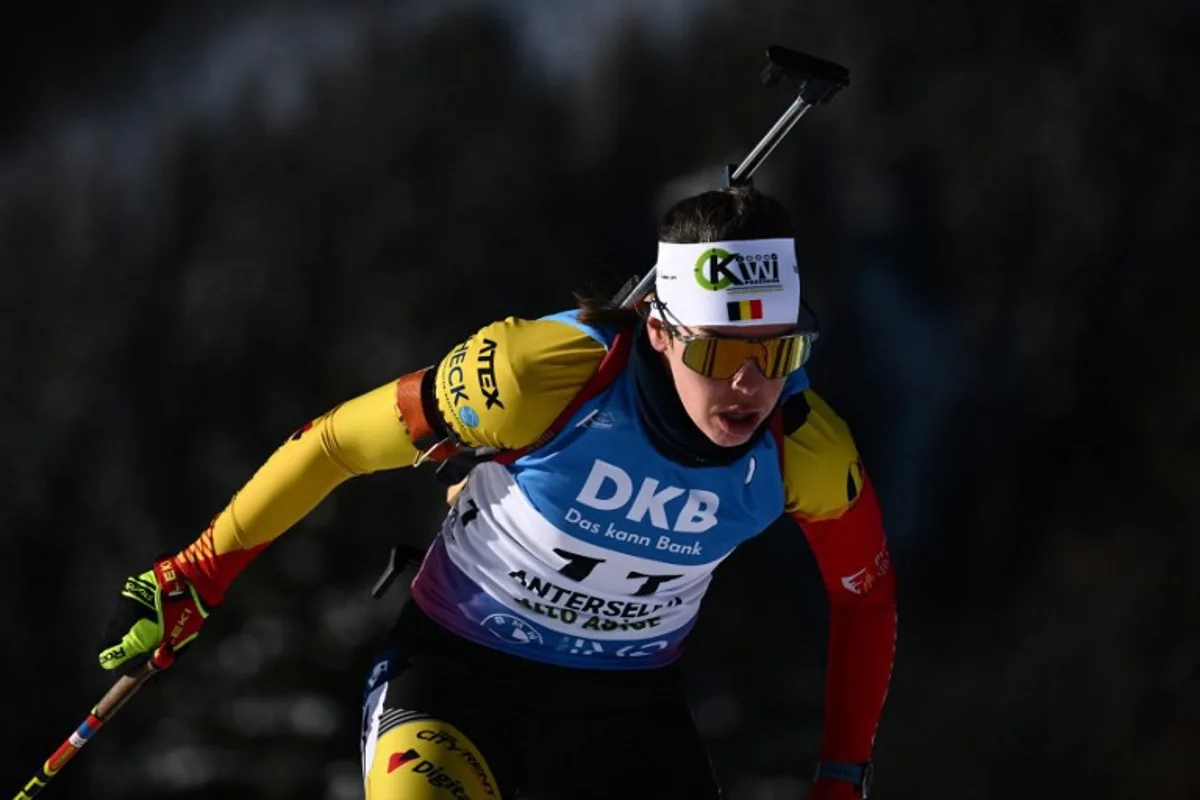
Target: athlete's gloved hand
830, 789
159, 612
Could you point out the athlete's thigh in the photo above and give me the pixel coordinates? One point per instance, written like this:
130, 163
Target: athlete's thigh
428, 759
411, 755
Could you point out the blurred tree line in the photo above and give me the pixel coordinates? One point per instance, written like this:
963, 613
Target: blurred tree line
218, 220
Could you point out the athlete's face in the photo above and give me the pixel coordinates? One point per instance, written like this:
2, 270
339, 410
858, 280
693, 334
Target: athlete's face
726, 411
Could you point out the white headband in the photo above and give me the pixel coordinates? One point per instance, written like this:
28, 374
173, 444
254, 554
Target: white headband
751, 282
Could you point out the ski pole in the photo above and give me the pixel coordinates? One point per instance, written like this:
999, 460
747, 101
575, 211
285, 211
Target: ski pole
819, 80
125, 687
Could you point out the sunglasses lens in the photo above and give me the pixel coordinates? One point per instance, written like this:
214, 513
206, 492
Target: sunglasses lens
722, 358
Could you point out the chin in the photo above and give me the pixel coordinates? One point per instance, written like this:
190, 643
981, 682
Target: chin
723, 440
721, 437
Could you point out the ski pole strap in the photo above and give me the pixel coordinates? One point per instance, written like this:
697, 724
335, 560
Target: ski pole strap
610, 367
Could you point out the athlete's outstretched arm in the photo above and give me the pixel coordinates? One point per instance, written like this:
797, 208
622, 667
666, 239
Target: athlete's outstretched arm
831, 497
502, 387
362, 435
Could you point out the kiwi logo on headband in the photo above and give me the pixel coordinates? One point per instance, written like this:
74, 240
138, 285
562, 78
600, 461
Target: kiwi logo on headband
719, 270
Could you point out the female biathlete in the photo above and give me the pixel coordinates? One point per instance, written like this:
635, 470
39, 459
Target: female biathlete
632, 449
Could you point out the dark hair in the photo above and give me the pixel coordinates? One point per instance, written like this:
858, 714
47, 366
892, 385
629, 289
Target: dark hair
726, 215
719, 215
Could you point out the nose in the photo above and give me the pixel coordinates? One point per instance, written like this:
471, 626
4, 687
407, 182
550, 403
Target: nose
749, 379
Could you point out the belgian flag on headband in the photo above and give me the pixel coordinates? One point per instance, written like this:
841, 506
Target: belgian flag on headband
745, 309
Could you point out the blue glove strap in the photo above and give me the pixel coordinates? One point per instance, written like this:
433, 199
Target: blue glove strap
858, 774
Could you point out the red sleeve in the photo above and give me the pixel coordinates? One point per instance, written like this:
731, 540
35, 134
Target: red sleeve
852, 554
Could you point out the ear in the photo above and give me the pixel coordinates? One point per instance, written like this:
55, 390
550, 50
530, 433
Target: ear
660, 340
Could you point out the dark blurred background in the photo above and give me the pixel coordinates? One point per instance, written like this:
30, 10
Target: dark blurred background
219, 219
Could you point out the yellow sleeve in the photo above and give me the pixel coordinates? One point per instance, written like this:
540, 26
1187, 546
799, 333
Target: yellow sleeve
362, 435
821, 468
502, 387
505, 385
357, 437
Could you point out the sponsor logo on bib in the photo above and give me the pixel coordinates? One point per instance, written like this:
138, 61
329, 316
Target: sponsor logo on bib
669, 508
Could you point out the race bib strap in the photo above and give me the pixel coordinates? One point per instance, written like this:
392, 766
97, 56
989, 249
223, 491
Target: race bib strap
610, 367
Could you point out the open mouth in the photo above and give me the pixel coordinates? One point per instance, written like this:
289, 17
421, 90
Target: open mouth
739, 422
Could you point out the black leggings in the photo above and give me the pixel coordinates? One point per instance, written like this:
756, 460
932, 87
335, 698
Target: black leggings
546, 732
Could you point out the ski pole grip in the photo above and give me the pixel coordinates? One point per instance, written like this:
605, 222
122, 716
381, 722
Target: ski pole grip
124, 688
